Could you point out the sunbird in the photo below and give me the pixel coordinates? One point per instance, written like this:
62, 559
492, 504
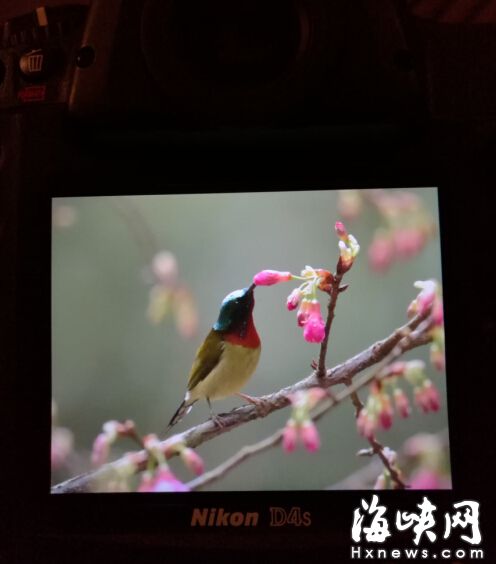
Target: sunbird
228, 356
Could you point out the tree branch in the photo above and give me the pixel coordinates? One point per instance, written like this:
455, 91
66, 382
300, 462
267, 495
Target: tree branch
206, 431
351, 391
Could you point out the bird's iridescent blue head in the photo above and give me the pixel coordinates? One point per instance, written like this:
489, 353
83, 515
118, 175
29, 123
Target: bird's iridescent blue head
235, 310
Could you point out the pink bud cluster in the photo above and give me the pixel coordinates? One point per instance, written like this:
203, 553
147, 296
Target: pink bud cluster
111, 431
378, 411
407, 224
304, 298
162, 480
191, 459
427, 455
430, 299
395, 244
158, 477
168, 295
348, 248
61, 446
300, 426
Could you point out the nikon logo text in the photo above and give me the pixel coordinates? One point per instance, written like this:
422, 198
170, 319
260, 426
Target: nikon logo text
218, 517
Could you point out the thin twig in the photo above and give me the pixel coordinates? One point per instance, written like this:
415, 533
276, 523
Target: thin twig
334, 293
244, 453
367, 475
206, 431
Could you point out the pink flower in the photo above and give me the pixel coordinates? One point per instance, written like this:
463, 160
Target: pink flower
163, 481
341, 230
101, 449
314, 395
438, 359
62, 444
270, 277
432, 394
381, 253
164, 267
146, 484
427, 480
290, 436
427, 397
386, 411
307, 399
294, 298
397, 368
310, 436
306, 431
314, 331
437, 312
408, 242
303, 313
401, 402
192, 460
427, 295
366, 423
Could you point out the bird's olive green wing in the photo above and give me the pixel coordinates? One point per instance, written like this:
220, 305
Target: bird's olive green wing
207, 358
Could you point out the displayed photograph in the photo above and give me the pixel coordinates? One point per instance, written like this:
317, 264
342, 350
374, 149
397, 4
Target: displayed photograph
253, 341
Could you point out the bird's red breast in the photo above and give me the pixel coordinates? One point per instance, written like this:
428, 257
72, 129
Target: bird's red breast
250, 338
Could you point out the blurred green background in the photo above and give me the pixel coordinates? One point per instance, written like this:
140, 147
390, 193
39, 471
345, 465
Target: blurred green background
110, 362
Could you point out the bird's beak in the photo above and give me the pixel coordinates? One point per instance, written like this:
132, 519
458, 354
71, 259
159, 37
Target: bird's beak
252, 287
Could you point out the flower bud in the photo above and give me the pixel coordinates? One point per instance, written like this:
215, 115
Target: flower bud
163, 481
61, 447
385, 412
408, 242
310, 436
314, 331
290, 436
401, 402
366, 423
294, 299
427, 295
437, 357
438, 313
304, 312
381, 254
341, 231
427, 397
164, 268
101, 449
270, 277
192, 460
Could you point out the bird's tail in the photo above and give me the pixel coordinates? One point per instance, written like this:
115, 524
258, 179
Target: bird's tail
182, 410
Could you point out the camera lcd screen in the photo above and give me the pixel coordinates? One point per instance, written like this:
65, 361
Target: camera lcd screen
145, 326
